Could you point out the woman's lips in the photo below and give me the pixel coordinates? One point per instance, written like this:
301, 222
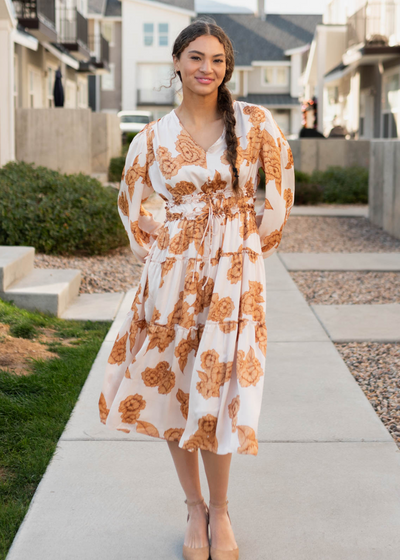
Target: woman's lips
205, 80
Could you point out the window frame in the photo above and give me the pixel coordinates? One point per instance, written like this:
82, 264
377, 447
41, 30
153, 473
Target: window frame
389, 113
162, 34
275, 68
148, 34
109, 76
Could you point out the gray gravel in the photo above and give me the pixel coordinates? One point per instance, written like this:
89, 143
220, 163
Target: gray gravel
376, 368
345, 288
304, 234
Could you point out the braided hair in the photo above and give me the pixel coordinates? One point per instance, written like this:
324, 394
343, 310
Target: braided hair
197, 29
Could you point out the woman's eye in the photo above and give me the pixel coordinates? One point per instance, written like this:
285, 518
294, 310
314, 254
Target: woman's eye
218, 60
195, 57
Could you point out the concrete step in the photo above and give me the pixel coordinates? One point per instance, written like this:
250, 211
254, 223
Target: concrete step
15, 263
332, 210
377, 262
47, 290
360, 323
94, 307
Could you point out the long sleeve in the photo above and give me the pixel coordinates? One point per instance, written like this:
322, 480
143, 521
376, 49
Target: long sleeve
135, 188
277, 162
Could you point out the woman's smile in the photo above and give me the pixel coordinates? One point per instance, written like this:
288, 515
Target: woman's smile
205, 81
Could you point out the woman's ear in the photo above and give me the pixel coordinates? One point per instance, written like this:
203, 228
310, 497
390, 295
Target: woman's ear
176, 63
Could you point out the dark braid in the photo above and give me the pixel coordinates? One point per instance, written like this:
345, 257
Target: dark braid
197, 29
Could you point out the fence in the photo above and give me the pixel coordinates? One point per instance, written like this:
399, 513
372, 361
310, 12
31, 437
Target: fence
313, 153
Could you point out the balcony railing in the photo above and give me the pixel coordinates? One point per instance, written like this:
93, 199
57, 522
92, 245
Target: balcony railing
373, 23
38, 15
73, 27
99, 48
155, 97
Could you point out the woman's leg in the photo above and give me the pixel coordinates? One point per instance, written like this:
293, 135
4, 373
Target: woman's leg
187, 467
217, 472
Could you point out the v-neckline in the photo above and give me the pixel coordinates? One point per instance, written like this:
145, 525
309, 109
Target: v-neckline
193, 140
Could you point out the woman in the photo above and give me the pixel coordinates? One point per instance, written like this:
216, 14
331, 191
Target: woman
188, 363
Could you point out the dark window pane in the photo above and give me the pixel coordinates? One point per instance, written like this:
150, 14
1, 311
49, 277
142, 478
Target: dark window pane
385, 126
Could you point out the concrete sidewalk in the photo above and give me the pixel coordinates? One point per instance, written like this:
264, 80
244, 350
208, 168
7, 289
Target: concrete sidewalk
325, 485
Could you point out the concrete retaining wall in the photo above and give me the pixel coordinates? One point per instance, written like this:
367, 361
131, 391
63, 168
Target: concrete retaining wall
384, 185
67, 140
314, 153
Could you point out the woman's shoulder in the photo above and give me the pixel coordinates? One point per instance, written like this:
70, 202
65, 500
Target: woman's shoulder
251, 109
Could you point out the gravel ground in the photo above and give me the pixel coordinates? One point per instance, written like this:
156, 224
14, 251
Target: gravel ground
376, 368
306, 234
345, 288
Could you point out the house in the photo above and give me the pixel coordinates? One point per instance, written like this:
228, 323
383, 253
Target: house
354, 68
270, 56
8, 24
149, 28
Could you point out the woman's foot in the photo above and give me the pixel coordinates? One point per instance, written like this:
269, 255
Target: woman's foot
221, 532
196, 535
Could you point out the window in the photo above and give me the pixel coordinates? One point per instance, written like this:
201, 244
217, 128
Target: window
148, 34
276, 76
70, 94
35, 88
108, 80
282, 118
51, 76
163, 34
233, 83
82, 93
391, 105
107, 29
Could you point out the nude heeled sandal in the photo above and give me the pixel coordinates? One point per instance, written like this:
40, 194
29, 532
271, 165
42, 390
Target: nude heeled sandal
217, 554
190, 553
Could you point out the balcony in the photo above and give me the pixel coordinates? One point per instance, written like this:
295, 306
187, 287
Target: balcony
373, 25
39, 16
100, 52
153, 97
73, 32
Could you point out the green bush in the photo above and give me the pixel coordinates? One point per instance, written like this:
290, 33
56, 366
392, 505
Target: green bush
343, 185
58, 214
115, 169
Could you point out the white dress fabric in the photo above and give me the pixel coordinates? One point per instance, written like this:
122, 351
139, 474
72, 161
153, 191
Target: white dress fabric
188, 362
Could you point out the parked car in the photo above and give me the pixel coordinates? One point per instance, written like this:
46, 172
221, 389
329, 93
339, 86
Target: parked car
134, 121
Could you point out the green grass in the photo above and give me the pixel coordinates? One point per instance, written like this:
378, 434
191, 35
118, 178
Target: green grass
34, 408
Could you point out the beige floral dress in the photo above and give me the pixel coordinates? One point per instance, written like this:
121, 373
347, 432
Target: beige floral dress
188, 362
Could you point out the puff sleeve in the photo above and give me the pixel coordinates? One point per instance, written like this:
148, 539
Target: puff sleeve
277, 162
135, 188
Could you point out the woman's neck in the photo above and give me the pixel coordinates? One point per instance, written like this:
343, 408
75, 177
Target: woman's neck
198, 109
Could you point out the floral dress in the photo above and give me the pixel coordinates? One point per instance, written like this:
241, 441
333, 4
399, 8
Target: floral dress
188, 362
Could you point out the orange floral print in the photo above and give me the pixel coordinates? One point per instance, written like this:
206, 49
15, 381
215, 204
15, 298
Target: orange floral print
204, 437
118, 353
214, 185
183, 349
272, 240
220, 309
257, 115
151, 157
134, 329
147, 429
250, 302
133, 174
168, 165
130, 408
233, 410
290, 162
214, 375
141, 236
161, 376
163, 238
191, 152
253, 255
267, 205
261, 337
173, 434
123, 204
181, 189
248, 226
167, 265
249, 370
235, 271
271, 161
160, 336
248, 441
183, 398
104, 411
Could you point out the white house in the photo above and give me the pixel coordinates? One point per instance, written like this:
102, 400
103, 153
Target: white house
149, 28
8, 24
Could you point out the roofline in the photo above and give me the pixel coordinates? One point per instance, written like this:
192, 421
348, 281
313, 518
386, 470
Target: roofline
242, 67
25, 39
69, 60
161, 5
11, 13
307, 71
271, 63
298, 50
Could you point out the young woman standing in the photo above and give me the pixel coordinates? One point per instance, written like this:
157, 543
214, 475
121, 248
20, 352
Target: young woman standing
188, 363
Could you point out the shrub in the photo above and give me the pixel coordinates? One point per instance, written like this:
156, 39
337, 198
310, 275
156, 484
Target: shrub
58, 214
115, 169
343, 185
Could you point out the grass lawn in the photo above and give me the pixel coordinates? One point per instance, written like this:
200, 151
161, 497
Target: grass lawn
44, 362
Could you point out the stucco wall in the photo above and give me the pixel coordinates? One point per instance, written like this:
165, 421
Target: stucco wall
67, 140
313, 153
384, 185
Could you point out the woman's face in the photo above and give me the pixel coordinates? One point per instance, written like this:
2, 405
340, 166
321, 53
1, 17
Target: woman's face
202, 65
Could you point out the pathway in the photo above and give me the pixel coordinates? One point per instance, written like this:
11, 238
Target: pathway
325, 485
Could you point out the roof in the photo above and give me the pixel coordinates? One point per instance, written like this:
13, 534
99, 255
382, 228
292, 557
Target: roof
269, 99
96, 6
255, 39
212, 7
113, 8
184, 4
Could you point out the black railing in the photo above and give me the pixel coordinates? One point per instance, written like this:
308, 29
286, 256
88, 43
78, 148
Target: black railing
44, 10
373, 23
99, 48
73, 26
165, 96
104, 49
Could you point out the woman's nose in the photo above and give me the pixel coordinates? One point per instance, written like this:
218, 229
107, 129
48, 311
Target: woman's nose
206, 66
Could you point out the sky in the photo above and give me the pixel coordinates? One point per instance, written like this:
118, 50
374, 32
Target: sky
283, 6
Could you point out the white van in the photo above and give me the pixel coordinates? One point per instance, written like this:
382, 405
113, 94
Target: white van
134, 121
